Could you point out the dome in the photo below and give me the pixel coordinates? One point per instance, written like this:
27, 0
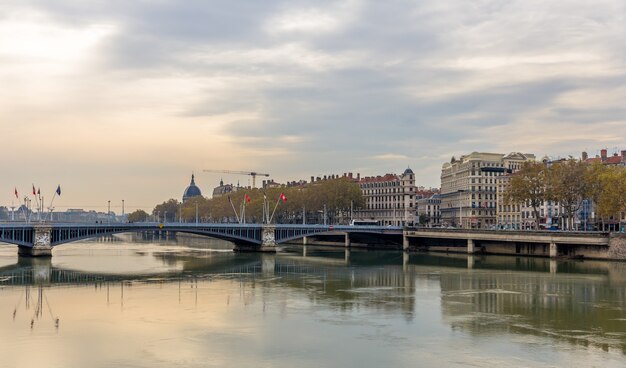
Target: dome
191, 191
408, 171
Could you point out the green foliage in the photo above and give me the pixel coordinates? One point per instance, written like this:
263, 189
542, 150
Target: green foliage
338, 195
529, 185
568, 186
169, 209
568, 183
612, 198
138, 216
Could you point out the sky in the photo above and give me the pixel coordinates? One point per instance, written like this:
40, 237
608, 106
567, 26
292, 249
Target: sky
117, 99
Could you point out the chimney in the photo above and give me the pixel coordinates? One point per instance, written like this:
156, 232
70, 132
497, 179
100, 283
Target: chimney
603, 154
350, 174
585, 156
358, 176
312, 179
324, 177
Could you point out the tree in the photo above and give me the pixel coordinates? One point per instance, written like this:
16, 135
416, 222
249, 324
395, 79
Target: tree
528, 185
168, 210
138, 216
567, 185
611, 199
339, 195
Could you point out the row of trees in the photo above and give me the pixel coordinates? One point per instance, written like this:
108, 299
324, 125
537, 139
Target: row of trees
569, 182
332, 198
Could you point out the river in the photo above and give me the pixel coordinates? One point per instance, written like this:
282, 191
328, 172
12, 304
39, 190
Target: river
132, 301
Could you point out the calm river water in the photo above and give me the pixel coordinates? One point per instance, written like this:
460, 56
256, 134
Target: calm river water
134, 302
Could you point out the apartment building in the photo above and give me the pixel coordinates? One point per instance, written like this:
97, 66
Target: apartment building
469, 187
389, 199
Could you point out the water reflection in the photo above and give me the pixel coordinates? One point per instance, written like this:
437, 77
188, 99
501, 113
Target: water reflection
390, 304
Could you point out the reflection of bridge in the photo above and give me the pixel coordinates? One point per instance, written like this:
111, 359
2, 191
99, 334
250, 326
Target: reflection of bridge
38, 239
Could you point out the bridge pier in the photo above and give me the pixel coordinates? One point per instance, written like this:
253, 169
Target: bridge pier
305, 240
42, 246
554, 250
405, 243
347, 240
470, 246
268, 239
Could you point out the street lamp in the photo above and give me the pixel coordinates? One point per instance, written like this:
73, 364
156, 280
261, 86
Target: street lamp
460, 208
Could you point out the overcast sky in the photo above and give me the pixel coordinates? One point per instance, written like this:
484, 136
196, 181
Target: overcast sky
117, 99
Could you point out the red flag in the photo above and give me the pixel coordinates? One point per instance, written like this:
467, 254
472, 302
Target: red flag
246, 198
282, 196
16, 195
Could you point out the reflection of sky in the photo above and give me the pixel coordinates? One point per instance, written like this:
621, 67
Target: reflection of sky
229, 323
8, 254
348, 316
113, 258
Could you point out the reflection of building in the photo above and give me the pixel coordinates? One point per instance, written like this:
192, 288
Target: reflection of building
469, 187
390, 199
191, 191
543, 304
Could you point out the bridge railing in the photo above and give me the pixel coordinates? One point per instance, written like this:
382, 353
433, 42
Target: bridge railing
501, 231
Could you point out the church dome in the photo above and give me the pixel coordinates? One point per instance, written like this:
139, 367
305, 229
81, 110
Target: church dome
191, 191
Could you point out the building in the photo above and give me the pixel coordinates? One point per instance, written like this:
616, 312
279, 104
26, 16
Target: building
604, 158
428, 211
191, 191
469, 196
224, 189
389, 199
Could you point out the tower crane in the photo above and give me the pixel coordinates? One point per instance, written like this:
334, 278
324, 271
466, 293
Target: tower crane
251, 173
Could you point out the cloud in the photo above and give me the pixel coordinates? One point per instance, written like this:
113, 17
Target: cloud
391, 157
299, 88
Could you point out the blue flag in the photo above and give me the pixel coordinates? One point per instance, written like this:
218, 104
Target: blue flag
59, 190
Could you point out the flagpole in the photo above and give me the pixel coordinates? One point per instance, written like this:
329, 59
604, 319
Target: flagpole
37, 203
51, 202
233, 206
277, 202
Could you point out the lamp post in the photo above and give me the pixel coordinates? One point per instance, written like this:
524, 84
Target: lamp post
460, 191
109, 211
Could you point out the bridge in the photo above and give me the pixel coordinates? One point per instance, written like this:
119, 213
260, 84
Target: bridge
598, 245
38, 239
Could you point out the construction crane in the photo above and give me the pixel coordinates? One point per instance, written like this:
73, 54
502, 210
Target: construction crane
251, 173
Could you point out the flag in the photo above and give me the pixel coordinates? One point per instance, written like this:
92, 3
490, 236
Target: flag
246, 198
282, 196
34, 192
59, 190
38, 191
16, 195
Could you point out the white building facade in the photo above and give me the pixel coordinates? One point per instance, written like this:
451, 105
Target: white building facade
389, 199
469, 187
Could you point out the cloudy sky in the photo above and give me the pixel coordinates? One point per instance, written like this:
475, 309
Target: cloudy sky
124, 99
